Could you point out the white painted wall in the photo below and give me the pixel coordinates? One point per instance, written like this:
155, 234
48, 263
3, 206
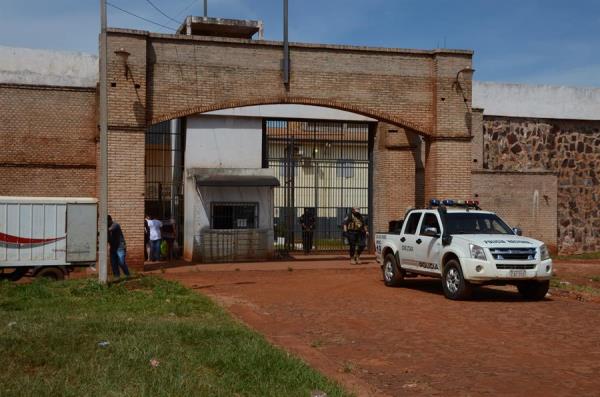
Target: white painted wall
541, 101
198, 206
223, 142
47, 67
291, 111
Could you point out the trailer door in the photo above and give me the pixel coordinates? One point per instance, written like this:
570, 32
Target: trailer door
81, 232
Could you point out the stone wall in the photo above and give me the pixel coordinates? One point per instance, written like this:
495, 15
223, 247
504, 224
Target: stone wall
569, 148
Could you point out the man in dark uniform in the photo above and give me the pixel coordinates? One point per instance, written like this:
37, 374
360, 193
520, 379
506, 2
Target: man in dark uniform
307, 222
356, 231
118, 248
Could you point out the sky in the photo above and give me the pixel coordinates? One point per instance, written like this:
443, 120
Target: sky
553, 42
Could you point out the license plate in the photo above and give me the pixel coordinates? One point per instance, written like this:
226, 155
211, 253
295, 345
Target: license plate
516, 273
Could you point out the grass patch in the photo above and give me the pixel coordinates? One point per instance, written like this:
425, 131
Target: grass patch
164, 340
568, 286
586, 256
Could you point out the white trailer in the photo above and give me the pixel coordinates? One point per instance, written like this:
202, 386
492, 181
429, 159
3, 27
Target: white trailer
46, 236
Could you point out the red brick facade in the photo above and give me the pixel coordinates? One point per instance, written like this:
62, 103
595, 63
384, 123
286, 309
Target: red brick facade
418, 93
48, 137
421, 92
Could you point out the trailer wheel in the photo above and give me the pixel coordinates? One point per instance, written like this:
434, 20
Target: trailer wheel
51, 273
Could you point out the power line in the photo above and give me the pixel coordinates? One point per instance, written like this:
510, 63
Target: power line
142, 18
186, 8
161, 11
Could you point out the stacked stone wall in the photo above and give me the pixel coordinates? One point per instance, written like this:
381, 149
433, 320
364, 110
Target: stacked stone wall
570, 149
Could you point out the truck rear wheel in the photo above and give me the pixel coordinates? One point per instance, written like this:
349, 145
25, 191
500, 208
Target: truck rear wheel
392, 274
51, 273
454, 283
534, 290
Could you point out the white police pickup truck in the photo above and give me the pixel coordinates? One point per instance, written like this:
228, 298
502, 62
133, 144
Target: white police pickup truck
465, 246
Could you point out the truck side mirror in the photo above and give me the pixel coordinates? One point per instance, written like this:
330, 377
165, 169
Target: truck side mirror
431, 232
517, 231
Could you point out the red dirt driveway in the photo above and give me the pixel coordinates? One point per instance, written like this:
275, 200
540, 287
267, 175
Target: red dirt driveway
412, 341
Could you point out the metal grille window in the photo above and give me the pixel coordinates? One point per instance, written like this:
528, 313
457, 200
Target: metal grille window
234, 215
345, 169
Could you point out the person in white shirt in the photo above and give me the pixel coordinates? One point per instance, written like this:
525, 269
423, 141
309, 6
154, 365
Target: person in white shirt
155, 238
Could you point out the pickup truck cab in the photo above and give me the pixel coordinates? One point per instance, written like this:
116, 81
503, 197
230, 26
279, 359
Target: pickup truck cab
464, 246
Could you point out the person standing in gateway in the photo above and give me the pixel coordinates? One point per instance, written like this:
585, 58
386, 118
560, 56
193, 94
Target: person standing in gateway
307, 222
155, 238
356, 231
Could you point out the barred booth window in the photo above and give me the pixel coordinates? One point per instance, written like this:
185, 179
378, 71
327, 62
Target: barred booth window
234, 215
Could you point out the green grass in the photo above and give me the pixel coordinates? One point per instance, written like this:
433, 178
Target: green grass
49, 334
586, 256
567, 286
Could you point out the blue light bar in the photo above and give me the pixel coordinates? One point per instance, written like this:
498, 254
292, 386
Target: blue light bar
434, 203
448, 203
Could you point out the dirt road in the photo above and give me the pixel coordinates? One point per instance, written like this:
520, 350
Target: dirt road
411, 340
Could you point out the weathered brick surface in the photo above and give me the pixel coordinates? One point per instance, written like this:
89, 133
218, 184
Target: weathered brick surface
448, 169
51, 133
48, 137
394, 168
126, 188
527, 200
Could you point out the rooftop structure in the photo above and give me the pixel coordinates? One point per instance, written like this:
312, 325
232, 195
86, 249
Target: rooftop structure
220, 27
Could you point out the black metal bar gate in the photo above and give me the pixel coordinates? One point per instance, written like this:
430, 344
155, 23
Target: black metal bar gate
324, 168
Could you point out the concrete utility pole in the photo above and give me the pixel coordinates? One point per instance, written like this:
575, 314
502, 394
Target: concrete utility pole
103, 205
286, 45
205, 8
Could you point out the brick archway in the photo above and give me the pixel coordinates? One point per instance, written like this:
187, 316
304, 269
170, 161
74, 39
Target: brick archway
374, 114
169, 76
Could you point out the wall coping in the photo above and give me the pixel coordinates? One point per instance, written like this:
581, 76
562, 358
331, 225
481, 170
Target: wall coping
272, 43
22, 86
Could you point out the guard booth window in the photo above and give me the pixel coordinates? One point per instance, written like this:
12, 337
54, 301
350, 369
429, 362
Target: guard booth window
234, 215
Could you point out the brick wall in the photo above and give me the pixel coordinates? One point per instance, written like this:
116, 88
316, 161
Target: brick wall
394, 167
48, 137
448, 169
126, 189
176, 76
527, 200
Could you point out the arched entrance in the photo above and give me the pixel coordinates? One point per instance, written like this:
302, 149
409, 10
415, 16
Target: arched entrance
409, 91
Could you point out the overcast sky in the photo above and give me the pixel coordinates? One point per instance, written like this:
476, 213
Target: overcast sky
522, 41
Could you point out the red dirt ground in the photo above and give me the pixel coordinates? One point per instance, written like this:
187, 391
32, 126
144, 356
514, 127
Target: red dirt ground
411, 340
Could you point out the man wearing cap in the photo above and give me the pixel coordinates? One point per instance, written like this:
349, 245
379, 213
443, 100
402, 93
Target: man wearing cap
356, 231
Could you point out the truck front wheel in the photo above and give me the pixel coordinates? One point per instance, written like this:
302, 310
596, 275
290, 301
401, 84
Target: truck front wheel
454, 283
392, 274
534, 290
51, 273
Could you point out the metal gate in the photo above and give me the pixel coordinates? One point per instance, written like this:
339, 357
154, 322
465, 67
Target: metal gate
165, 146
324, 168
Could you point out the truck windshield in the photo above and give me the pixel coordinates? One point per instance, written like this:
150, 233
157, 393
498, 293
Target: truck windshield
475, 223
